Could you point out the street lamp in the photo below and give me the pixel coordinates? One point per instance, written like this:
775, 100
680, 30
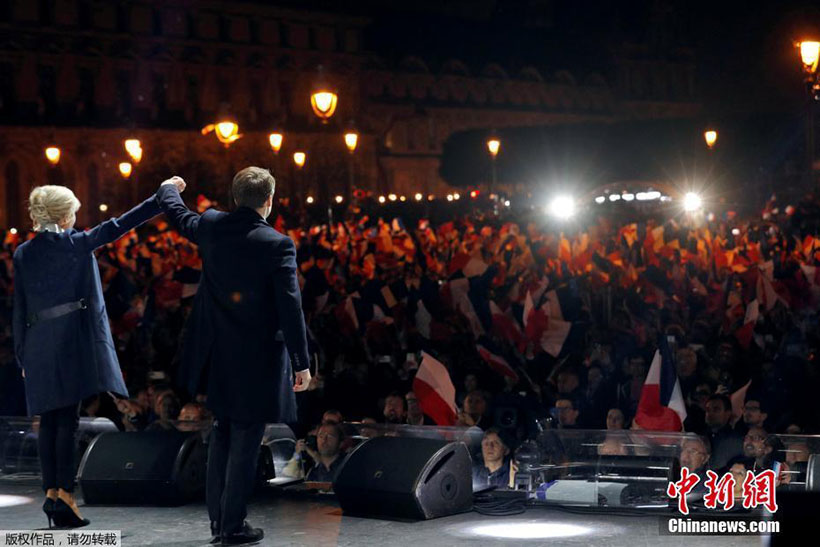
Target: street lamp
226, 130
53, 155
299, 158
134, 149
493, 145
710, 136
125, 169
351, 141
323, 103
809, 56
275, 139
323, 99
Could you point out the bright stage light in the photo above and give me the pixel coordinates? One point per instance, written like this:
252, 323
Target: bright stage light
10, 501
600, 199
692, 202
507, 203
562, 207
614, 197
381, 199
628, 197
648, 196
735, 232
529, 530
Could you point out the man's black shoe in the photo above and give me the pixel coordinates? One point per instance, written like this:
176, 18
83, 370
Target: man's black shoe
245, 535
216, 536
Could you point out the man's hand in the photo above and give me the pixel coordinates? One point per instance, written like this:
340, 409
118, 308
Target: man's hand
176, 181
300, 447
302, 380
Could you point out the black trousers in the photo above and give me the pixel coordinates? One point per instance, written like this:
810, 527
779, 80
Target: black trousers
55, 443
233, 452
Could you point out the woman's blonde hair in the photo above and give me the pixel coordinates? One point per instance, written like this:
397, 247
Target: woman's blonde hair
51, 204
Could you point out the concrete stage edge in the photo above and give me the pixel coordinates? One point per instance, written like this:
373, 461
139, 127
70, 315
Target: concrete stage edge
318, 521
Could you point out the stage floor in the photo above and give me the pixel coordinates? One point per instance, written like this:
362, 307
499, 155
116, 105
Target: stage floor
318, 521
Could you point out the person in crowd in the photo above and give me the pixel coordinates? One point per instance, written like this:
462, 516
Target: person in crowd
755, 413
62, 338
567, 412
474, 413
332, 416
739, 466
190, 416
694, 455
494, 469
615, 419
166, 408
327, 458
726, 443
395, 409
414, 414
246, 338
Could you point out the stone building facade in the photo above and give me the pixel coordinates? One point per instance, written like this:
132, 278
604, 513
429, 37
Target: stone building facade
86, 74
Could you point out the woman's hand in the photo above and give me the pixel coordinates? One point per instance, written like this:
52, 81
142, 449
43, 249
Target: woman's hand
176, 181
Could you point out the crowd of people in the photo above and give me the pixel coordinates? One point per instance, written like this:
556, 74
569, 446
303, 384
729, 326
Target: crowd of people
533, 320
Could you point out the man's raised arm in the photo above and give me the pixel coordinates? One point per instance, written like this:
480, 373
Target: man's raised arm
182, 218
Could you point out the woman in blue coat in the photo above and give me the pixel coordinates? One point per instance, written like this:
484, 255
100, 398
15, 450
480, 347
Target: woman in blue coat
61, 335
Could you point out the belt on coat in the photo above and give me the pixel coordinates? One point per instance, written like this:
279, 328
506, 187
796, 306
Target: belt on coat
56, 311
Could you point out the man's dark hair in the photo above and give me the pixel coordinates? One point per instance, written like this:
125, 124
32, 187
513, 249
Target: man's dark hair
399, 396
727, 402
252, 186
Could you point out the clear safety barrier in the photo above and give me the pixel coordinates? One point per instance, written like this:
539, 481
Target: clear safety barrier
18, 441
600, 468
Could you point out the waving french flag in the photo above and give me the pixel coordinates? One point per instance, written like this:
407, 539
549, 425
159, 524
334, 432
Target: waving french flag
435, 391
661, 407
493, 357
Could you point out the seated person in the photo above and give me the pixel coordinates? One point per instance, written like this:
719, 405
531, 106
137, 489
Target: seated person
495, 469
327, 457
189, 417
738, 466
694, 455
395, 409
166, 407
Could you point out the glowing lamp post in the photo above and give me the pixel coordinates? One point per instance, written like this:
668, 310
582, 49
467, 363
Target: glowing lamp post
493, 146
351, 141
134, 149
710, 136
299, 158
323, 102
125, 169
276, 140
53, 155
810, 56
226, 131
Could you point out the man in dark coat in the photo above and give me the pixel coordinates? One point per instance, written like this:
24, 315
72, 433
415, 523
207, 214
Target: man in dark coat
245, 334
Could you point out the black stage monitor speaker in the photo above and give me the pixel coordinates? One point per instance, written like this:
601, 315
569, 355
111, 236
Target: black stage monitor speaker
406, 478
145, 468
